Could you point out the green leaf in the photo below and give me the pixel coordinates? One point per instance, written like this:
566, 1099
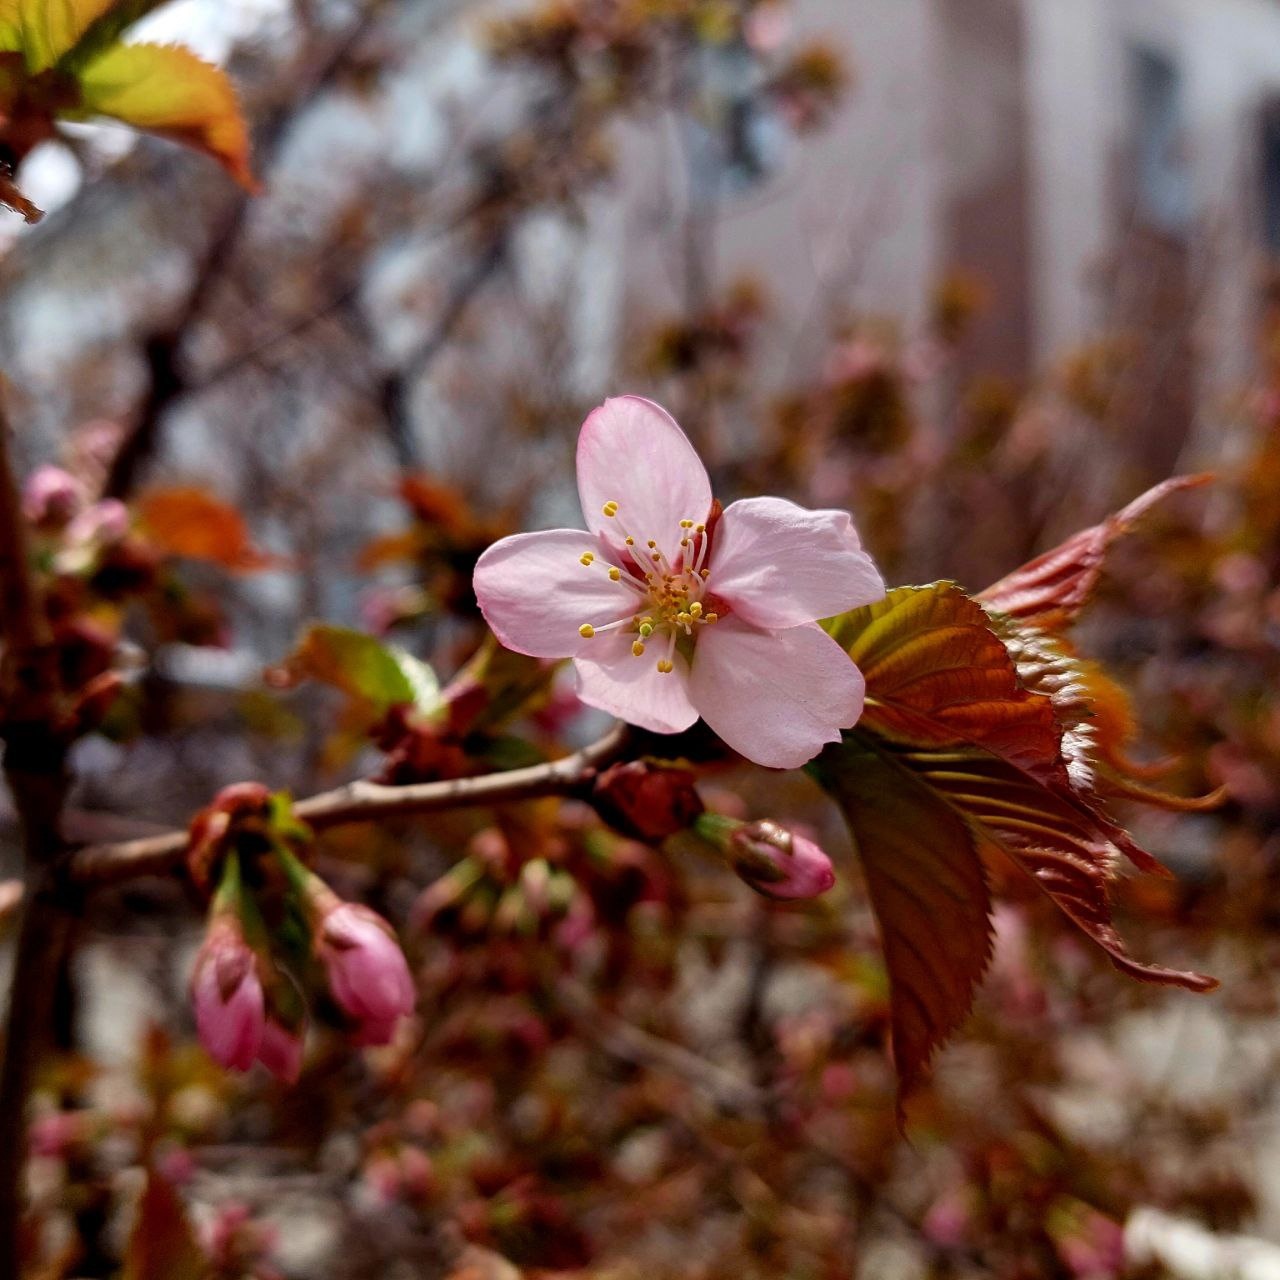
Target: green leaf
169, 91
928, 889
381, 675
105, 30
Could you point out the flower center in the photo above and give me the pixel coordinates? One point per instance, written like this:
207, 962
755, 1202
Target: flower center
670, 591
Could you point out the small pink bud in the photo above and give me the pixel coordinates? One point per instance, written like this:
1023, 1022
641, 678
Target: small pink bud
772, 860
51, 496
281, 1051
367, 972
227, 994
102, 524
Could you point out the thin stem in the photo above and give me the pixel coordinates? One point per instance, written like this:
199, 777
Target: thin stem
368, 802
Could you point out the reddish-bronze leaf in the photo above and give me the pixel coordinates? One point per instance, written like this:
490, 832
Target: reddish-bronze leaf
1051, 589
192, 523
162, 1245
1071, 858
938, 675
928, 888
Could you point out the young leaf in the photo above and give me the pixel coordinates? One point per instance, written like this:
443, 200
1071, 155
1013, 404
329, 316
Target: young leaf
973, 725
191, 523
364, 668
162, 1243
1070, 856
1050, 590
937, 675
168, 91
927, 886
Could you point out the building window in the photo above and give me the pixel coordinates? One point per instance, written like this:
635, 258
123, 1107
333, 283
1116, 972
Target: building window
1161, 176
1270, 176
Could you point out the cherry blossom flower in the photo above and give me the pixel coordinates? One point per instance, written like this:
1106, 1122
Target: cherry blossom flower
672, 610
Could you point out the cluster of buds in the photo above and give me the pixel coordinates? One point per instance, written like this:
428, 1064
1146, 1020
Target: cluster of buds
248, 980
772, 859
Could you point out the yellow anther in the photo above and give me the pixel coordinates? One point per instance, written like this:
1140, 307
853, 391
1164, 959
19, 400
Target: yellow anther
651, 544
657, 555
701, 528
712, 617
631, 542
705, 574
696, 608
646, 629
637, 647
664, 667
614, 574
610, 508
586, 557
586, 631
684, 619
686, 524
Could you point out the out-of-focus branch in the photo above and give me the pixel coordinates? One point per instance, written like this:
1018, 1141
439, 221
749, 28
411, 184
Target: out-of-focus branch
35, 769
167, 383
629, 1043
369, 802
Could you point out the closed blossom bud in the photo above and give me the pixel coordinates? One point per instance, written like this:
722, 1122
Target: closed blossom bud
647, 800
226, 993
281, 1051
51, 497
771, 859
367, 972
101, 524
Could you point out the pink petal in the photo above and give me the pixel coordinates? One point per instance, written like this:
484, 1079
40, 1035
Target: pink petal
633, 689
779, 565
774, 696
535, 592
631, 452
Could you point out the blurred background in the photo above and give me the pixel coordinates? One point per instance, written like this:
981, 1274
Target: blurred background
978, 270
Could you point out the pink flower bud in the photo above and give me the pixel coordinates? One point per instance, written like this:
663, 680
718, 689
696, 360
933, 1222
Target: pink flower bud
281, 1051
227, 994
777, 862
367, 972
51, 496
102, 524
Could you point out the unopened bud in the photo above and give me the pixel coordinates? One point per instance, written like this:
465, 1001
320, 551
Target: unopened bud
51, 497
770, 858
647, 800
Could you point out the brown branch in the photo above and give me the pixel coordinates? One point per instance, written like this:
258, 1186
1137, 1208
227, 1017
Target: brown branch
35, 769
368, 802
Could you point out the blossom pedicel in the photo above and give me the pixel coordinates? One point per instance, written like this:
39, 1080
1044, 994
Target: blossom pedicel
670, 614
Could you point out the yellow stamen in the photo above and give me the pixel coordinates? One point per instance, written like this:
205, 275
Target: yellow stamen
646, 629
615, 574
631, 542
712, 617
586, 631
664, 667
586, 558
696, 608
686, 524
610, 508
637, 647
